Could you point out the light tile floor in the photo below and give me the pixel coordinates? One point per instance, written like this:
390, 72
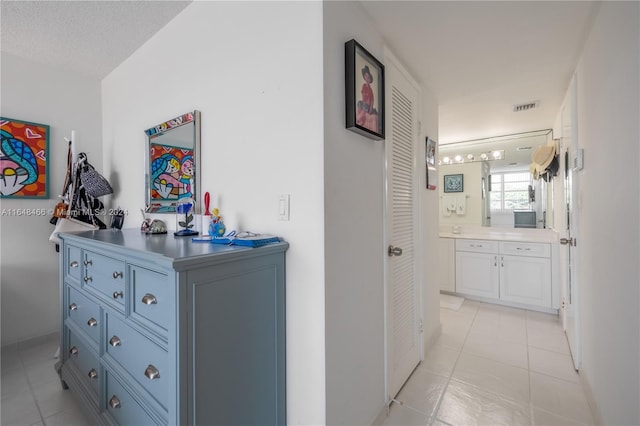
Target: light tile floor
494, 365
31, 390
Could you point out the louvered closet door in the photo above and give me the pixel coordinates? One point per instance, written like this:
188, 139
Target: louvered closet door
403, 334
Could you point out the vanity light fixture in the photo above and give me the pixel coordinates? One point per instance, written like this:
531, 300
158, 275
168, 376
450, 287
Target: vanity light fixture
473, 157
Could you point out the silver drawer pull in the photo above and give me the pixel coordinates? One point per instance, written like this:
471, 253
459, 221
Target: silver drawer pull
73, 307
115, 341
74, 264
117, 275
117, 294
149, 299
73, 351
152, 372
88, 262
93, 374
87, 279
525, 249
92, 322
114, 402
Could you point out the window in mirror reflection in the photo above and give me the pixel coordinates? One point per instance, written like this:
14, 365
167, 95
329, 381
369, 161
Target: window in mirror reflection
510, 191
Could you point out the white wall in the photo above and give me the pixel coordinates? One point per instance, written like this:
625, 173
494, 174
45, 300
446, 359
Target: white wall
65, 101
472, 185
609, 211
354, 234
254, 70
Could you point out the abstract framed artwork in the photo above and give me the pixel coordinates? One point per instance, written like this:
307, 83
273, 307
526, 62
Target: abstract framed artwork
453, 183
24, 159
364, 91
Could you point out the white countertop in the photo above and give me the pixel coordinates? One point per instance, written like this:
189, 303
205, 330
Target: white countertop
474, 232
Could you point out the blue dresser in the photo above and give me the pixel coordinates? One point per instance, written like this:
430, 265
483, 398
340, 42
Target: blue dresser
157, 329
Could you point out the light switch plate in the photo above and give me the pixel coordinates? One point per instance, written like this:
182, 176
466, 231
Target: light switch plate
283, 206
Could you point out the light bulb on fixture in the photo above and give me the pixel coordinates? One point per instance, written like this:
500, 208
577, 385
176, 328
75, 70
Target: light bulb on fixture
446, 160
496, 154
483, 156
458, 158
470, 157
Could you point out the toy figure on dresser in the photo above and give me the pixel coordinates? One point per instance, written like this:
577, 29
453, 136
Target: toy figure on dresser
185, 218
216, 227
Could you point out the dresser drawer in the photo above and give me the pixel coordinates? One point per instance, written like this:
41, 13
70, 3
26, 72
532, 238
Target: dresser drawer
105, 276
151, 299
526, 249
477, 246
86, 362
143, 359
72, 264
122, 406
85, 313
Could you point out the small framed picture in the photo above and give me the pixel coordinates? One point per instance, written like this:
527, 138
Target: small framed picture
430, 152
453, 183
364, 91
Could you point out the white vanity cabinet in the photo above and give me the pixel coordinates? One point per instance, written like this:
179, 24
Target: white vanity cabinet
477, 270
525, 273
516, 272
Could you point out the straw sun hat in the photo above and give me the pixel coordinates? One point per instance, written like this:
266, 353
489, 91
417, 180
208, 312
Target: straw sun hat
542, 157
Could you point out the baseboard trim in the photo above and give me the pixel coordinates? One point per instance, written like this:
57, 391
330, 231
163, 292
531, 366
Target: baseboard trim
591, 400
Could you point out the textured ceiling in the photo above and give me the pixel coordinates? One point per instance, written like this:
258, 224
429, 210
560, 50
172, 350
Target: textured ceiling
89, 37
478, 57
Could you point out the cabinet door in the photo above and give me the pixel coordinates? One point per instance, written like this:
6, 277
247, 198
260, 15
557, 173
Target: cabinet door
477, 274
526, 280
446, 265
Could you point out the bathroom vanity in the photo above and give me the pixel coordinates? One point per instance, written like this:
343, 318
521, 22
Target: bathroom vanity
517, 267
158, 329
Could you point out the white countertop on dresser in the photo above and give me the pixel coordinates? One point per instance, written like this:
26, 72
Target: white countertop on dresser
501, 234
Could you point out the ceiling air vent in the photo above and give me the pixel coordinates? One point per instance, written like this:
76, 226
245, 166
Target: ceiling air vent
524, 107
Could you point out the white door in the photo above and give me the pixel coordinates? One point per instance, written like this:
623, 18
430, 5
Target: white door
569, 232
403, 335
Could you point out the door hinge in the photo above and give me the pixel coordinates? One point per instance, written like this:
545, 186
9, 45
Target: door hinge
421, 327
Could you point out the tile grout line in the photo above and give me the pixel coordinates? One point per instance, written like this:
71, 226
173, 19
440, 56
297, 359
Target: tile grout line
33, 394
434, 417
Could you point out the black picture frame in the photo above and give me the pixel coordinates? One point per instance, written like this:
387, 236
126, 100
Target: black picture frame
364, 96
453, 183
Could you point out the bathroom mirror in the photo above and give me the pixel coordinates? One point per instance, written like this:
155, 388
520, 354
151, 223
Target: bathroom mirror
172, 161
496, 176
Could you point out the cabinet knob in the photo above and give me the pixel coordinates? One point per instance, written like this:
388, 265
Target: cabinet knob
115, 341
73, 351
93, 374
88, 262
92, 322
152, 372
149, 299
114, 402
117, 294
74, 264
87, 279
117, 275
73, 307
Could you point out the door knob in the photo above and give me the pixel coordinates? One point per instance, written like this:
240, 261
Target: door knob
394, 251
568, 241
